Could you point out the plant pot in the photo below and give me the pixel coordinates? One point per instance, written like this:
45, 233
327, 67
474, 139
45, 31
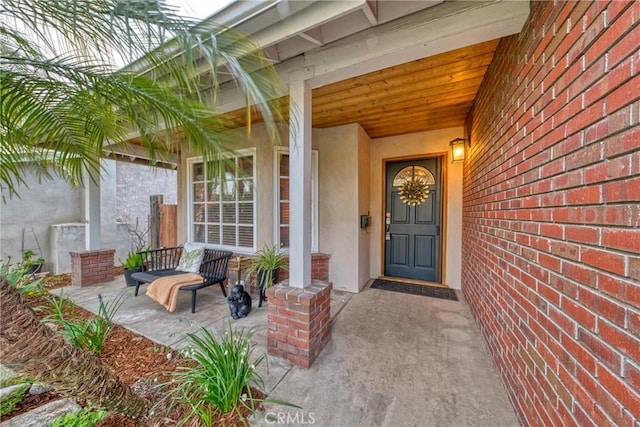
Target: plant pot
262, 282
33, 268
127, 275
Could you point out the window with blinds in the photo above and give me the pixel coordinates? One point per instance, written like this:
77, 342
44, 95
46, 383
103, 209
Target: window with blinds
282, 200
223, 205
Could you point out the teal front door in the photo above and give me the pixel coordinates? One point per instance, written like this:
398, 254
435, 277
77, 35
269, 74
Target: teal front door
413, 212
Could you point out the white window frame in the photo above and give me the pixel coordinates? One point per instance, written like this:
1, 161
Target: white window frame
314, 197
190, 201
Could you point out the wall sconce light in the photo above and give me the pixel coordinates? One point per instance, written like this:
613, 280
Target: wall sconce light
458, 149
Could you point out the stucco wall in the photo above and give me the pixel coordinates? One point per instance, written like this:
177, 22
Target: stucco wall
39, 205
350, 184
421, 144
343, 195
339, 204
134, 185
124, 193
65, 238
364, 208
112, 233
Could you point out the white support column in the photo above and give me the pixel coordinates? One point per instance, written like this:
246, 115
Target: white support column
91, 212
300, 184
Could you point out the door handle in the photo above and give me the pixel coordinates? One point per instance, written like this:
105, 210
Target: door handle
387, 222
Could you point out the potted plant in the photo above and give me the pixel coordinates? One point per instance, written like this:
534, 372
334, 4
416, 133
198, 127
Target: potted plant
266, 263
132, 264
30, 264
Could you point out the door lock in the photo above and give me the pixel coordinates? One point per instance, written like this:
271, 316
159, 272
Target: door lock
387, 222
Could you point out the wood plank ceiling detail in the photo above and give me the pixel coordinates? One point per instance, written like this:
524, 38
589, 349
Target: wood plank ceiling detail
427, 94
431, 93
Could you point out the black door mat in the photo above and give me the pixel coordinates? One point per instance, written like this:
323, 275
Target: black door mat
410, 288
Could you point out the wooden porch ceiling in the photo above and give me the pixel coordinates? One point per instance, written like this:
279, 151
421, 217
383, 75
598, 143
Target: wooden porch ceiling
427, 94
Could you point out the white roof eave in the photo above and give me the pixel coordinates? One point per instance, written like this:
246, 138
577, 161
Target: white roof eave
448, 26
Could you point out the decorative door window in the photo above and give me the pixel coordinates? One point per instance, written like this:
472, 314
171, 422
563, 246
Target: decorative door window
414, 182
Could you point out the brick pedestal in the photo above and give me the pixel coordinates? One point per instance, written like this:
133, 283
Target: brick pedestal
299, 321
90, 267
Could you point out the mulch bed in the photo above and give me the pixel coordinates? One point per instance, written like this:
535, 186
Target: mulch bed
132, 357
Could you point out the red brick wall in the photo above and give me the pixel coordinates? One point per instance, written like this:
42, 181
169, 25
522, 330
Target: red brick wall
319, 268
551, 246
299, 321
90, 267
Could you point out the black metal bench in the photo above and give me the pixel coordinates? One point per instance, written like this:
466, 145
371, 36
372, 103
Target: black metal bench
163, 262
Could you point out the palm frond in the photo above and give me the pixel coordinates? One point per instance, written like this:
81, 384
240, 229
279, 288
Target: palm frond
62, 91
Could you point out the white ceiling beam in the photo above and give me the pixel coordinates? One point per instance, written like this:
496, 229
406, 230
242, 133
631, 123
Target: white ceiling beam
311, 17
370, 9
314, 36
445, 27
439, 29
137, 152
272, 53
231, 16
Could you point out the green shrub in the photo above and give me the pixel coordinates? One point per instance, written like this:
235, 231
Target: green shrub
221, 376
8, 404
20, 279
267, 260
88, 334
133, 261
31, 264
85, 418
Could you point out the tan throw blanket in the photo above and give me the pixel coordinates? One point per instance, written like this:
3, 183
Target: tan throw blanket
165, 289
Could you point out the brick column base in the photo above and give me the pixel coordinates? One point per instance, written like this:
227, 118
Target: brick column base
299, 321
90, 267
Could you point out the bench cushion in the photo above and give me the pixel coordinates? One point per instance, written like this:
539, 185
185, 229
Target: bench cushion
191, 258
150, 277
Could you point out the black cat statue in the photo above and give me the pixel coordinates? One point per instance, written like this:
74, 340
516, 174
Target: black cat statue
239, 302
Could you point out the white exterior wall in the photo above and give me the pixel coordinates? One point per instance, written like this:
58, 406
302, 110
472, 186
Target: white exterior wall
54, 209
364, 208
343, 150
40, 204
343, 195
420, 144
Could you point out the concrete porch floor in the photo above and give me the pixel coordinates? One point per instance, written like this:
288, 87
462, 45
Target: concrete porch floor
393, 360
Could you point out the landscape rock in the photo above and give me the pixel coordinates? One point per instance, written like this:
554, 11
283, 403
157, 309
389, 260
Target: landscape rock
36, 389
10, 390
44, 415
